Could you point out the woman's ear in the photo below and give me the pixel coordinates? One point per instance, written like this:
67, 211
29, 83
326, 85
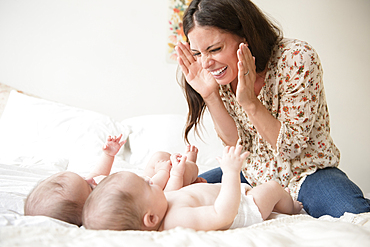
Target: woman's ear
242, 40
150, 220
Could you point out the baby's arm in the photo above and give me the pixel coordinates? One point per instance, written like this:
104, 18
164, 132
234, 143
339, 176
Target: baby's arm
221, 214
110, 149
176, 179
228, 200
162, 173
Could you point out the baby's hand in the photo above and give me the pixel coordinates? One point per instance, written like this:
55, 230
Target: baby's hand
232, 159
178, 165
113, 145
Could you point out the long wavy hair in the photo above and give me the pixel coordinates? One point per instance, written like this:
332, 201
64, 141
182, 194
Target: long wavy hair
240, 17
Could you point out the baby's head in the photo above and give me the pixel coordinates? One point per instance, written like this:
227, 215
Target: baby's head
124, 201
61, 196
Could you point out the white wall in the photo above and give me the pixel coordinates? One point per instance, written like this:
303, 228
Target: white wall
109, 56
105, 55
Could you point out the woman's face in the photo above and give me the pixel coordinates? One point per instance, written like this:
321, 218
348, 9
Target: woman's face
216, 51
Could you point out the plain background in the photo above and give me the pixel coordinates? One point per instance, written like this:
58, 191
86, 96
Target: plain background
110, 56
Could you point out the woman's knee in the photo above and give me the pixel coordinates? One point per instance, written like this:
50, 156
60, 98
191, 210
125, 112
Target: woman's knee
212, 176
330, 192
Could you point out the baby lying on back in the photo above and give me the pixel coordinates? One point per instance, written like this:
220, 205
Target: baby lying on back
125, 201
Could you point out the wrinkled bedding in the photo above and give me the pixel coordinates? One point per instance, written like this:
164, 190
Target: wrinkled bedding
39, 138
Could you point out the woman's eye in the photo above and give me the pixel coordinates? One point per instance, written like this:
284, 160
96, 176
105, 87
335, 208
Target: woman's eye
215, 50
196, 54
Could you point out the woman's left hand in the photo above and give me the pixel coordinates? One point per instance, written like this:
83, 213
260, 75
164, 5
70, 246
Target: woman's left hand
245, 93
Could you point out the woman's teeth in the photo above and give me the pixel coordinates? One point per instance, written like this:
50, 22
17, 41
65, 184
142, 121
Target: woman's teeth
219, 71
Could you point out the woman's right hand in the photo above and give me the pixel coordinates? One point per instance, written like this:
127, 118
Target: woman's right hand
198, 78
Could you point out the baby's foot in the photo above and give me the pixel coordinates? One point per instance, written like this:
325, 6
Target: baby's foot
297, 207
163, 165
192, 153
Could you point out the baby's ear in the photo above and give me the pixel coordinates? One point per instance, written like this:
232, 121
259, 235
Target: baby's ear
91, 182
150, 220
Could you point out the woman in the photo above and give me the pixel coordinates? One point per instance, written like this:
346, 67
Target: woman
266, 93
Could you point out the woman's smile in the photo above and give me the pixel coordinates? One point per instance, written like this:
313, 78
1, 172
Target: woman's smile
216, 51
219, 72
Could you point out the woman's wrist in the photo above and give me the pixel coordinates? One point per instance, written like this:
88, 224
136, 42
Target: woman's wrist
251, 107
212, 98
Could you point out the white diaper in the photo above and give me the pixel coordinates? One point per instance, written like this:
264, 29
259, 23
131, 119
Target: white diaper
248, 213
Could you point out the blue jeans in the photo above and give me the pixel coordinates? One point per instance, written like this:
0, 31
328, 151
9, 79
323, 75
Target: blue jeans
326, 192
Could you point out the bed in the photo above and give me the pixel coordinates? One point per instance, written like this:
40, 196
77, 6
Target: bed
40, 137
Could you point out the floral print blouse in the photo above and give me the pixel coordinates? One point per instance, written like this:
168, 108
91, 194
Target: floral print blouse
294, 94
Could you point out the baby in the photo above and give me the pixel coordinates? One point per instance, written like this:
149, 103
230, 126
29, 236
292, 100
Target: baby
159, 167
62, 195
125, 201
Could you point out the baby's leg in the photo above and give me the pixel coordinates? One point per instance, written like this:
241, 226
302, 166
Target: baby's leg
157, 157
297, 205
270, 197
191, 168
192, 153
191, 173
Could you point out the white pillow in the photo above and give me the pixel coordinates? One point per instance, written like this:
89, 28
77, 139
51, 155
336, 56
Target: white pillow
33, 127
151, 133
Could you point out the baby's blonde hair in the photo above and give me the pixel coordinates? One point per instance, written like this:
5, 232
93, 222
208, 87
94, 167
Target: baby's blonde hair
50, 198
109, 207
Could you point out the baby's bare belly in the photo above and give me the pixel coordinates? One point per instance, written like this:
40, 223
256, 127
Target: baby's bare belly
196, 195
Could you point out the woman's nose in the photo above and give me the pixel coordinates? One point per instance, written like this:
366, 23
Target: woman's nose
207, 61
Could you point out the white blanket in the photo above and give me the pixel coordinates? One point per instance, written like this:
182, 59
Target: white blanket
39, 138
299, 230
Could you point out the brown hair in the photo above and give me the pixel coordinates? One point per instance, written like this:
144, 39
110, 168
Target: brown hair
240, 17
111, 208
49, 198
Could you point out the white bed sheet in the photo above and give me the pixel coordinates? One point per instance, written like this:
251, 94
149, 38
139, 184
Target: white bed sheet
28, 124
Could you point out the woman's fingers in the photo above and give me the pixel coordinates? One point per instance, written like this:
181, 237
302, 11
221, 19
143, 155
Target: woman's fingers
184, 53
241, 62
246, 59
184, 69
182, 59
